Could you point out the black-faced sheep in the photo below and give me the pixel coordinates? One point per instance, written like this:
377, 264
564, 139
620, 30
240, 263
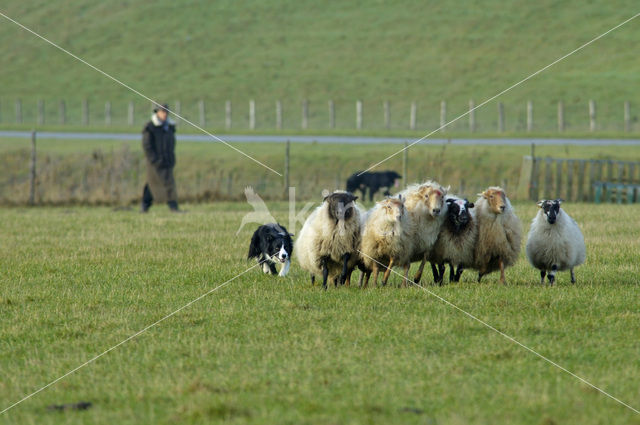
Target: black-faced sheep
387, 239
425, 204
555, 241
330, 238
499, 233
457, 240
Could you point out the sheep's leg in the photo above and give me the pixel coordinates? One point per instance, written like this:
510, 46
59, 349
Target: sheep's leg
361, 279
543, 273
405, 282
502, 279
441, 270
365, 279
375, 274
348, 281
325, 274
313, 280
435, 272
452, 273
480, 276
552, 274
419, 273
573, 276
459, 273
387, 272
345, 268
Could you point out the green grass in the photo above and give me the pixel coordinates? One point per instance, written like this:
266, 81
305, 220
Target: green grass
289, 50
112, 172
262, 350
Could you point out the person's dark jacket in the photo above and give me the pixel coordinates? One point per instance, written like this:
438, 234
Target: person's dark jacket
159, 143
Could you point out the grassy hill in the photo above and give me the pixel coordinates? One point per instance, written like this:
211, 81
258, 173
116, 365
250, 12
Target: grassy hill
347, 50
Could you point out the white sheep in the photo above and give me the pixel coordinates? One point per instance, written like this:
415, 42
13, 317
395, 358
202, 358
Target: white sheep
457, 240
499, 233
329, 240
555, 241
387, 240
425, 204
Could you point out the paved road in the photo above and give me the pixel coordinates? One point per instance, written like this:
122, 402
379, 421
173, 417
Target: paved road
353, 140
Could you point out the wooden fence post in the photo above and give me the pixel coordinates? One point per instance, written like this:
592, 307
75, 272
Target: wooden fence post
592, 179
559, 164
443, 115
252, 114
560, 116
227, 114
533, 180
581, 166
130, 113
279, 118
332, 115
412, 116
32, 170
387, 114
472, 116
286, 167
358, 114
592, 115
627, 117
500, 117
40, 112
570, 180
85, 112
305, 114
18, 111
62, 112
405, 163
529, 116
203, 113
107, 113
547, 178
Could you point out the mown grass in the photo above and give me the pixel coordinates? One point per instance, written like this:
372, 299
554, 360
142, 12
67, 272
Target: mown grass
76, 281
343, 50
113, 172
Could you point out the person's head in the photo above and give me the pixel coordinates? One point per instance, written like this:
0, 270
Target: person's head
162, 112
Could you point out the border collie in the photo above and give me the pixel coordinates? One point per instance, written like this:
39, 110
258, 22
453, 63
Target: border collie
271, 242
374, 180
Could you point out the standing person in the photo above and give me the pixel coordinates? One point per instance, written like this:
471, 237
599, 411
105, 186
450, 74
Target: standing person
159, 143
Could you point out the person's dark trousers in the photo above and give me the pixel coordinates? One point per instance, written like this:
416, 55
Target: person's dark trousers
147, 198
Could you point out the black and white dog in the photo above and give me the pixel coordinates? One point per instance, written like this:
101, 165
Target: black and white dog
374, 180
271, 242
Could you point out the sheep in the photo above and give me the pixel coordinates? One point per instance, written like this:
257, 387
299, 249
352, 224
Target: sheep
329, 240
387, 240
555, 242
425, 204
457, 240
499, 233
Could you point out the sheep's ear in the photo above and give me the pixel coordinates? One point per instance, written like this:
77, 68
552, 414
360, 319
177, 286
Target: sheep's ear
541, 203
559, 201
449, 200
483, 194
470, 205
400, 197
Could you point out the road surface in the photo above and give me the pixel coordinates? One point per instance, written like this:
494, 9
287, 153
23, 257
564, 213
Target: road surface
352, 140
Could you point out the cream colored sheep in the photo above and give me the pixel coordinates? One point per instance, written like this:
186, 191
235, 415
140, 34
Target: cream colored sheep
387, 239
499, 233
329, 240
425, 204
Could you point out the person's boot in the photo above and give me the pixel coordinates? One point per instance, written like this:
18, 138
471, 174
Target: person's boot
173, 207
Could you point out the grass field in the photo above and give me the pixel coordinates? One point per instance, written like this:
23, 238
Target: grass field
76, 281
108, 172
341, 50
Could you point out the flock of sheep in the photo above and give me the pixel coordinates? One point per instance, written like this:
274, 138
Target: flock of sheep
426, 224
